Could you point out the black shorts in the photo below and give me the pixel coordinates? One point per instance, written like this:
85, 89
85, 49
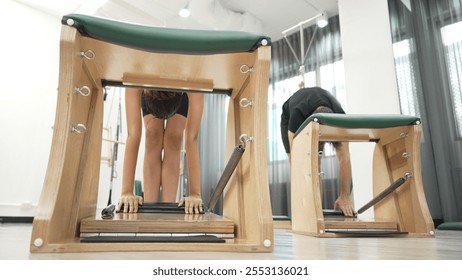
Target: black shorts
182, 110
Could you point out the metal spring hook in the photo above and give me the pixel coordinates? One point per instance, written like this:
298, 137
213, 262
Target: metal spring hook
406, 155
408, 175
88, 54
244, 102
403, 135
85, 91
245, 69
244, 138
78, 128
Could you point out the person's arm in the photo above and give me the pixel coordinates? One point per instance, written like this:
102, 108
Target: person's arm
344, 200
290, 136
286, 140
193, 203
128, 201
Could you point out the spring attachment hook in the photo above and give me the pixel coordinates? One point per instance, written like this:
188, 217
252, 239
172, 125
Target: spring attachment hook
406, 155
408, 175
403, 135
244, 102
245, 69
88, 54
84, 91
244, 138
78, 128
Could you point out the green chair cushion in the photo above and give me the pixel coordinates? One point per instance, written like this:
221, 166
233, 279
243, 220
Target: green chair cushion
359, 120
165, 40
450, 226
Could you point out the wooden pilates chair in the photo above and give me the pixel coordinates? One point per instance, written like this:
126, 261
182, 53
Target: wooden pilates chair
400, 207
95, 52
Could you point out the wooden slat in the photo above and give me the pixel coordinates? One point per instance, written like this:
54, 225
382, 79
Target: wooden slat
184, 83
158, 223
355, 223
385, 135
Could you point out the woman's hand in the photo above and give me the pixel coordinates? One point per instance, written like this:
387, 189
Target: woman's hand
344, 203
192, 204
129, 203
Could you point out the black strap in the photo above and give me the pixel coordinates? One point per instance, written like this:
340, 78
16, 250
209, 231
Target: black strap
161, 207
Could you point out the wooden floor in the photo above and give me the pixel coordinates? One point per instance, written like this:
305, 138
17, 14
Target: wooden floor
14, 245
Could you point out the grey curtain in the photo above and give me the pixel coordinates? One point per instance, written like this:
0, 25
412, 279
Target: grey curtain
428, 57
212, 140
322, 68
326, 48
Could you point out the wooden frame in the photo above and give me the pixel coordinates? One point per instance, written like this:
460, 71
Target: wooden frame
397, 151
70, 190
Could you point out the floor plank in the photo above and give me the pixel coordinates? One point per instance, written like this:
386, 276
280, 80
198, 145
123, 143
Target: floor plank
15, 238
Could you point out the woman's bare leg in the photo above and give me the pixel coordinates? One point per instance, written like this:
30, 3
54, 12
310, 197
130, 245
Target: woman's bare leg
152, 166
173, 138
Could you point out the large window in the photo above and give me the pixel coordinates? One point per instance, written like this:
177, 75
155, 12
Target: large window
277, 95
452, 40
331, 78
404, 51
406, 77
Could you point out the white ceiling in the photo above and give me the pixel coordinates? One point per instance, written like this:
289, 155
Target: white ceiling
279, 15
263, 16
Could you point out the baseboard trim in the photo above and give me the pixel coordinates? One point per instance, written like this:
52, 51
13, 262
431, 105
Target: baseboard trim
16, 220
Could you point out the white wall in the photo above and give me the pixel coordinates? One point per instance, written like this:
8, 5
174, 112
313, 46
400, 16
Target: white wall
28, 89
370, 79
28, 93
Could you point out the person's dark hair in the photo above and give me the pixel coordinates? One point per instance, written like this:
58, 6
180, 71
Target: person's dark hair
324, 109
162, 104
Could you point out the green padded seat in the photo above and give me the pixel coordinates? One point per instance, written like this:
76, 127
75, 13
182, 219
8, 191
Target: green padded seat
165, 40
450, 226
359, 120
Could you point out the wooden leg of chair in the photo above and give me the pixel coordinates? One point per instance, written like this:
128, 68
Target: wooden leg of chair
421, 221
71, 183
307, 217
407, 205
246, 198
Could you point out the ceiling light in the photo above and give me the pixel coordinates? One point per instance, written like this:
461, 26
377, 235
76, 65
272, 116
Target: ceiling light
322, 21
185, 12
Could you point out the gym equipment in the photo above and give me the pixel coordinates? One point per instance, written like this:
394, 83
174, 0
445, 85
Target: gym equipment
400, 207
96, 52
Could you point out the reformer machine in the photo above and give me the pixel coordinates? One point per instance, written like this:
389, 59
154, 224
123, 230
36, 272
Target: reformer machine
96, 51
400, 207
